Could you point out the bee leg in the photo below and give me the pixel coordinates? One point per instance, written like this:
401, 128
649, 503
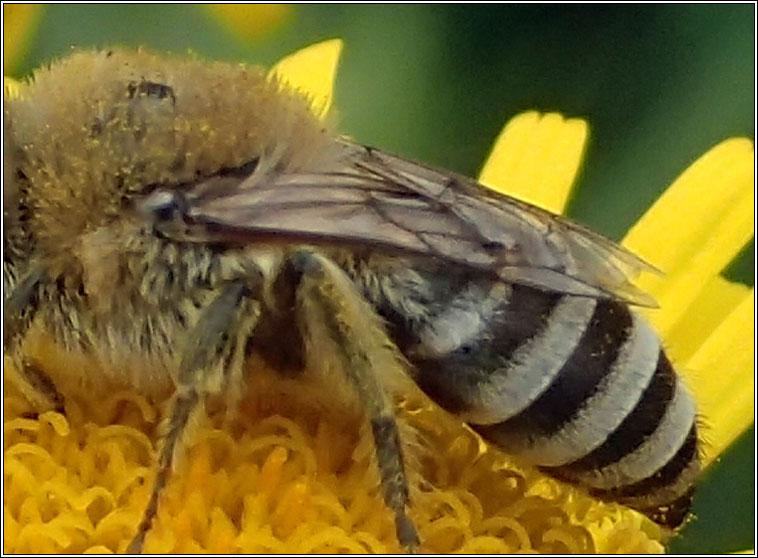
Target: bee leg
20, 306
212, 359
394, 482
38, 388
329, 304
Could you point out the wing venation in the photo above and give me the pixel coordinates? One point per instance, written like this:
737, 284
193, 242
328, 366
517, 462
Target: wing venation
371, 198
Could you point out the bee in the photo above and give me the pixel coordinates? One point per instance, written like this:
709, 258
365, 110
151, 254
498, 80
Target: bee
176, 215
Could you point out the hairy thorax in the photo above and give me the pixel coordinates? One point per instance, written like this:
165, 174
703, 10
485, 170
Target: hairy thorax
126, 299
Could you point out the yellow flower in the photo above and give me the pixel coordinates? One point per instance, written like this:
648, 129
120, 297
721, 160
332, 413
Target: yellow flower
289, 474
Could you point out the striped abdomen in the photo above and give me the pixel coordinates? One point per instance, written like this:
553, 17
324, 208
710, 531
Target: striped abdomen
577, 386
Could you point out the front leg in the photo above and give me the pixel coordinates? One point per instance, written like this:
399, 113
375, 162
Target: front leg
333, 314
211, 362
21, 305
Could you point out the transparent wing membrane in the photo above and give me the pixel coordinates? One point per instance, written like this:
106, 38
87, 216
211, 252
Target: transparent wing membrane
383, 202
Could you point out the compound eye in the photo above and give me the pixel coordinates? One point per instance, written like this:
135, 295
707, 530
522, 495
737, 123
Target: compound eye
164, 206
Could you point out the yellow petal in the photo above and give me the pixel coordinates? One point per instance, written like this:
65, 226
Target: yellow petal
250, 21
701, 325
720, 374
536, 158
712, 305
696, 227
312, 70
19, 23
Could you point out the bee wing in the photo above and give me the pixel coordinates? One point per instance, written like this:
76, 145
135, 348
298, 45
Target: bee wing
371, 198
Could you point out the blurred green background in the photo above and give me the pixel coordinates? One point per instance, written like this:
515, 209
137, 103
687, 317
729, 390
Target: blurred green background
659, 85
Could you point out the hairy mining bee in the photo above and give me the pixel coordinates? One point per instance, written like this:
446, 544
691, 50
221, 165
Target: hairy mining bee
176, 215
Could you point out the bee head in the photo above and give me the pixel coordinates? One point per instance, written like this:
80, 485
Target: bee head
91, 134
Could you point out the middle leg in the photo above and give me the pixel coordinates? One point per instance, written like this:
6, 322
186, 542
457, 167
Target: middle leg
211, 360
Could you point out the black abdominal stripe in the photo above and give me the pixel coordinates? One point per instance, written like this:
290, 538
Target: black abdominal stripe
585, 392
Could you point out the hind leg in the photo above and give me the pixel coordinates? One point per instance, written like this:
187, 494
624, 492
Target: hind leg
334, 314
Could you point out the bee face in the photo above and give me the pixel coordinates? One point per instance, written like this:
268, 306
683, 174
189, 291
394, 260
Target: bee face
175, 215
